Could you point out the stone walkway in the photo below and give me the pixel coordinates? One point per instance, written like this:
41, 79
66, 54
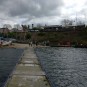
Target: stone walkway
28, 72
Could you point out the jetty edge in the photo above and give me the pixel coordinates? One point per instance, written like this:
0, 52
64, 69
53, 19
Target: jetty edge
28, 71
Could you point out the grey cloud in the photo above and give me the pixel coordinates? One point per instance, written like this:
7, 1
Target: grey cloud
2, 1
28, 11
35, 8
25, 11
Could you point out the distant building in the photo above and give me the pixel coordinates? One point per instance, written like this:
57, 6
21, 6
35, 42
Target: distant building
1, 30
4, 30
53, 28
14, 30
20, 34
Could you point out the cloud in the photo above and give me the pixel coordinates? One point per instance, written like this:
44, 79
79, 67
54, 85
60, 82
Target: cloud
35, 8
39, 11
29, 7
28, 10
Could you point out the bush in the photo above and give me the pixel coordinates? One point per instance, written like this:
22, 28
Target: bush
41, 34
28, 36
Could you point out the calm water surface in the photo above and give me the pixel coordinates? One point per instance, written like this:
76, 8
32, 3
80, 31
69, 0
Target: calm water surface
65, 67
8, 60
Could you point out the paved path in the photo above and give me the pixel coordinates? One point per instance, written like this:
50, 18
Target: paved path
28, 72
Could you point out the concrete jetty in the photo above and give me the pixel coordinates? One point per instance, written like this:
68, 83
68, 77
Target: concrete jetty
28, 72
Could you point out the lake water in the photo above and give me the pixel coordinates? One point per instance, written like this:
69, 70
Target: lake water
8, 59
65, 67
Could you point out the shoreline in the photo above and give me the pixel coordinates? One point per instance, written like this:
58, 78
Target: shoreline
19, 45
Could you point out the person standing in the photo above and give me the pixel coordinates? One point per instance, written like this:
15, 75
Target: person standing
31, 43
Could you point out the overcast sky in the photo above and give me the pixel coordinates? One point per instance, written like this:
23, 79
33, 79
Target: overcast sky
41, 11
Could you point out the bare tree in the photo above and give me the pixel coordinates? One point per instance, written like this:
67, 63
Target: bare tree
28, 26
66, 22
79, 22
7, 26
25, 27
17, 26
